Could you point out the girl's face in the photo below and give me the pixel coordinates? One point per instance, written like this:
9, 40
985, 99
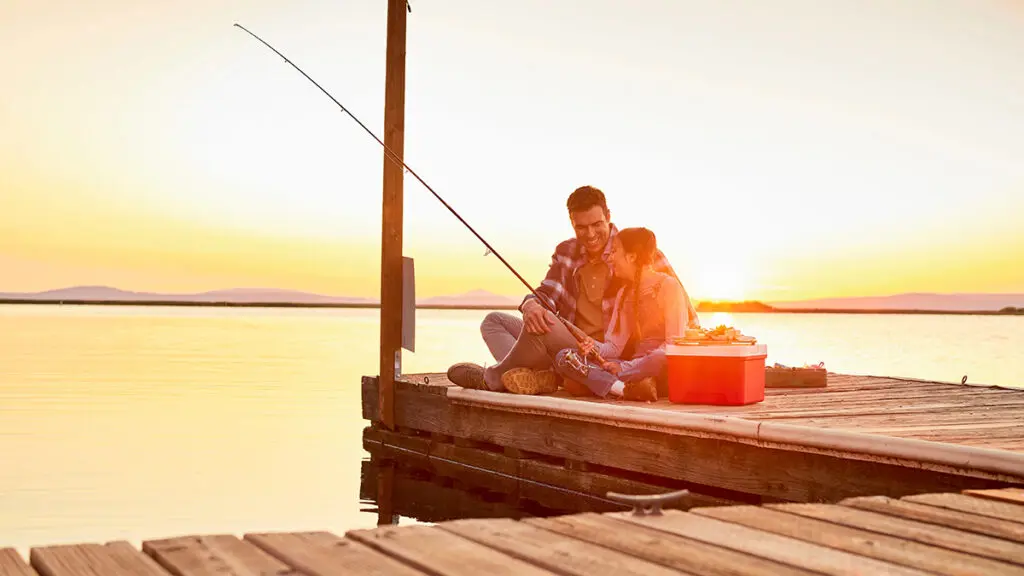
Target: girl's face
623, 264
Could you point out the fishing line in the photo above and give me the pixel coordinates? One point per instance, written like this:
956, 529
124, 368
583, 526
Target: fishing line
394, 158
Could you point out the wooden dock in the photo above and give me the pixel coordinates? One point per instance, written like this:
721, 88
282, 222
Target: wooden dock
859, 436
978, 532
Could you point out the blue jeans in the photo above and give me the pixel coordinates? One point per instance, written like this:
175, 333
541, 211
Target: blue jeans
569, 365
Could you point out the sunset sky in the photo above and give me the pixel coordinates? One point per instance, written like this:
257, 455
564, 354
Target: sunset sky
780, 149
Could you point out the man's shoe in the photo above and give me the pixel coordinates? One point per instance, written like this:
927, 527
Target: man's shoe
467, 375
526, 381
645, 390
547, 381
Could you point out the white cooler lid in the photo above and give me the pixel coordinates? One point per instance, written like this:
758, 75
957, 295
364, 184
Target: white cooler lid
717, 350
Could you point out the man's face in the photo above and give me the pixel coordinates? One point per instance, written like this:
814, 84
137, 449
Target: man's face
592, 229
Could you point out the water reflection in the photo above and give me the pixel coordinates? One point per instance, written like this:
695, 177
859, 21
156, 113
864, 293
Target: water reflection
404, 492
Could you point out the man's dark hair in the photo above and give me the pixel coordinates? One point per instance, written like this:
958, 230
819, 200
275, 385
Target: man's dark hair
585, 198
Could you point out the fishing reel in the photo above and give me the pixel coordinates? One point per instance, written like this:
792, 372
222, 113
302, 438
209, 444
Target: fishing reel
577, 362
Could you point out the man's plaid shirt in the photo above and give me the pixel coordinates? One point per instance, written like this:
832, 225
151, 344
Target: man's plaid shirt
559, 287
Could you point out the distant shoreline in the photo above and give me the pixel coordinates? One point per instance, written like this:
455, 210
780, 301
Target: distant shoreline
72, 302
708, 309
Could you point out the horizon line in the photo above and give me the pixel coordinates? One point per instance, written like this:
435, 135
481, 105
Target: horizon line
1005, 311
376, 299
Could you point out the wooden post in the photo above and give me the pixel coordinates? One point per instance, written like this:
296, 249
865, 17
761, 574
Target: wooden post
391, 215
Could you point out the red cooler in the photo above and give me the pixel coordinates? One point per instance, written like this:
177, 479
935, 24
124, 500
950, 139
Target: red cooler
721, 375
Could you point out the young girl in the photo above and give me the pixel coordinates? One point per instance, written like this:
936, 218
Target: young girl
651, 308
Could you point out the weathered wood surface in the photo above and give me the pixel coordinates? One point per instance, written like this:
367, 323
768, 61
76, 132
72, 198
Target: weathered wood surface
1015, 495
858, 536
11, 564
523, 475
422, 546
671, 550
942, 516
962, 539
859, 541
113, 559
324, 554
562, 554
970, 415
773, 462
391, 267
218, 555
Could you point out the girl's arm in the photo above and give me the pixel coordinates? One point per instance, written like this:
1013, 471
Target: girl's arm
675, 303
672, 300
618, 330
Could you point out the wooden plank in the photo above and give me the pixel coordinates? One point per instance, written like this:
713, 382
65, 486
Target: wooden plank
965, 503
397, 445
775, 547
870, 544
324, 554
438, 381
995, 408
885, 395
669, 550
391, 272
476, 465
113, 559
216, 555
938, 535
12, 564
883, 420
1013, 495
599, 484
436, 551
787, 475
448, 459
941, 516
414, 407
552, 551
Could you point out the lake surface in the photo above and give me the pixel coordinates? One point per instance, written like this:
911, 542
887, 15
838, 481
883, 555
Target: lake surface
149, 422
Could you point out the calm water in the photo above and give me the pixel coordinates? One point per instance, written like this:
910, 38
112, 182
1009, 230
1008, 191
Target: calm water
142, 422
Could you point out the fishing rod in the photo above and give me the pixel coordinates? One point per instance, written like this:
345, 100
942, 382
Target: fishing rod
576, 332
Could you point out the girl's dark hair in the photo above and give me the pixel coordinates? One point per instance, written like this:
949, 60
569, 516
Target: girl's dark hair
642, 243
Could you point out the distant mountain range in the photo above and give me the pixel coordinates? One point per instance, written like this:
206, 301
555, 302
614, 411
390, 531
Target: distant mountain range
911, 301
485, 299
476, 298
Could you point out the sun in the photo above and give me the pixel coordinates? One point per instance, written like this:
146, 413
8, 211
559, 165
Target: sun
720, 279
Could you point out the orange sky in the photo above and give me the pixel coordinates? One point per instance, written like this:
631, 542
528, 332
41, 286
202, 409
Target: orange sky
779, 149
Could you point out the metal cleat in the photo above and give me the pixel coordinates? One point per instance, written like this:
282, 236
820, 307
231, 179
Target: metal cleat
646, 505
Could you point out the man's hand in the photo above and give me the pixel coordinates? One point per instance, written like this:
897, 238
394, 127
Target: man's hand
536, 319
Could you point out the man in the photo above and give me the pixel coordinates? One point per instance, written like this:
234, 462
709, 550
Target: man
579, 286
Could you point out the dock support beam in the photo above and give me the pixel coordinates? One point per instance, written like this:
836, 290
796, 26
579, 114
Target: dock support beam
391, 214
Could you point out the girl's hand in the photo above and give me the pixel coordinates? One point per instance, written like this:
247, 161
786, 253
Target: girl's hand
612, 366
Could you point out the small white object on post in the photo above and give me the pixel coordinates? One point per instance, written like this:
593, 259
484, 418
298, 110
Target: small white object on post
408, 304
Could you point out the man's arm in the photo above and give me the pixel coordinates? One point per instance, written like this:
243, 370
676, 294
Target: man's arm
553, 288
551, 294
